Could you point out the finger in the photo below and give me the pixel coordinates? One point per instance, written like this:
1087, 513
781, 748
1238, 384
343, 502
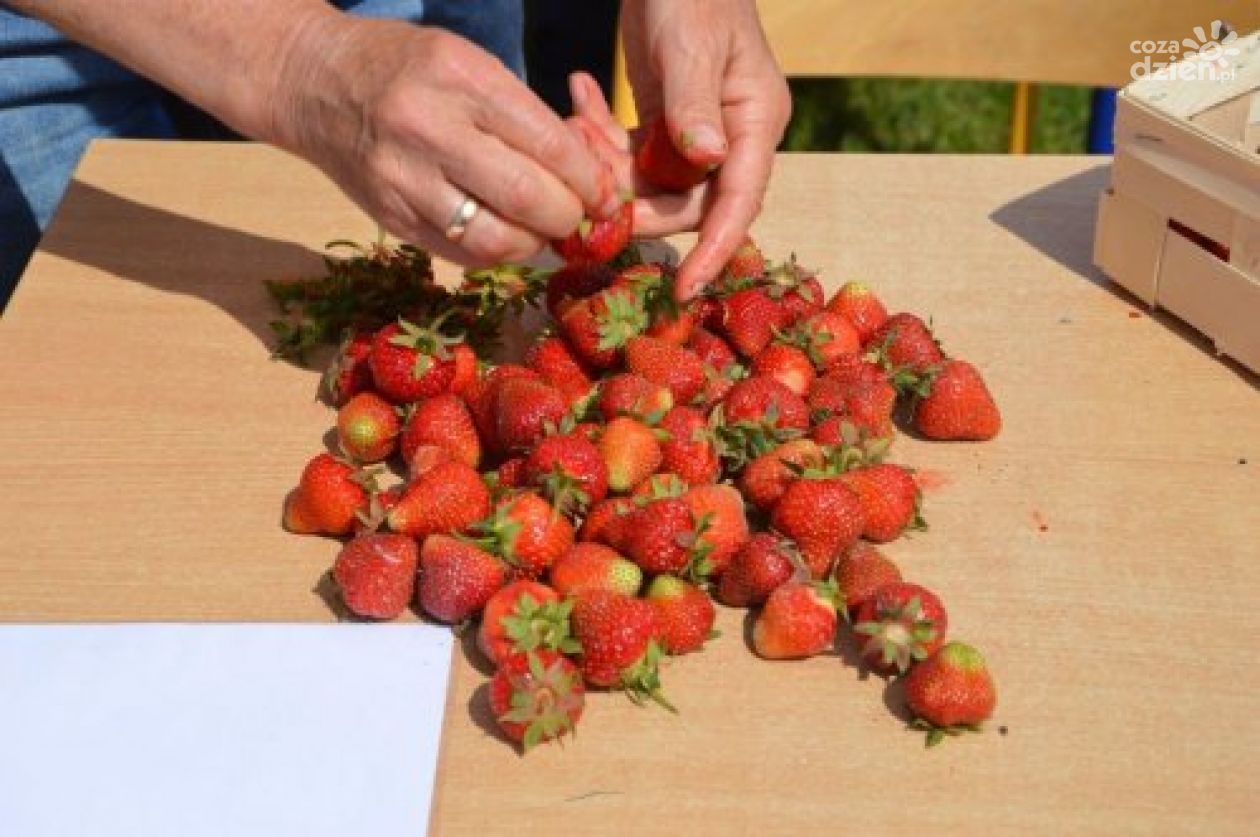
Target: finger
670, 212
691, 83
490, 240
589, 102
618, 163
524, 123
738, 192
513, 185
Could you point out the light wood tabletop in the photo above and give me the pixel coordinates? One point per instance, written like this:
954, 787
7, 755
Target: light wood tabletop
1104, 551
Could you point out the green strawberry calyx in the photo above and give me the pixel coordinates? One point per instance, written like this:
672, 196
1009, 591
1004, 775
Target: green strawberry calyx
937, 734
532, 625
428, 342
898, 636
641, 681
545, 700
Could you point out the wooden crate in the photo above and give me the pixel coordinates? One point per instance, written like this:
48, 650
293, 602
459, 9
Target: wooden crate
1179, 225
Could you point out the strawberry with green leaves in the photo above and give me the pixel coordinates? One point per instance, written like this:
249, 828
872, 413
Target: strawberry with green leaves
747, 262
951, 692
900, 625
597, 328
684, 614
953, 404
598, 241
798, 621
721, 527
410, 362
526, 532
376, 574
444, 422
619, 649
593, 566
524, 616
766, 477
552, 358
825, 338
661, 538
569, 471
628, 394
536, 696
796, 289
367, 428
457, 578
905, 343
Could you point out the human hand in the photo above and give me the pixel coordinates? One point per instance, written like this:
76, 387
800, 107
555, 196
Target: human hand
409, 120
706, 67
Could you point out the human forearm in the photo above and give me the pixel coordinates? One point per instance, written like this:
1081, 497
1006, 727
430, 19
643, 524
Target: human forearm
226, 56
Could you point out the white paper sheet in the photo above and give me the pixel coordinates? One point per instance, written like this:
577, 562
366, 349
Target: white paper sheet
223, 730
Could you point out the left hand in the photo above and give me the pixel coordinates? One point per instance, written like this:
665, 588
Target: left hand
705, 65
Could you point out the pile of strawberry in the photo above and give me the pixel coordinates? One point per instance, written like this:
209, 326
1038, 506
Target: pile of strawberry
588, 503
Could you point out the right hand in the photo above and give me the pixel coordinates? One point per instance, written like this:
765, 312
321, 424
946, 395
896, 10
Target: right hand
409, 120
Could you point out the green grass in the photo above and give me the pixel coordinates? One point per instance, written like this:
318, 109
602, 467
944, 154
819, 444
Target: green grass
918, 115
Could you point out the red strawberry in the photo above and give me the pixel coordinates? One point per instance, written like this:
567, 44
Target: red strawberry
536, 697
862, 308
605, 523
527, 533
747, 262
796, 289
826, 338
328, 499
551, 358
721, 526
764, 564
653, 284
786, 364
823, 516
511, 473
573, 282
628, 394
957, 405
349, 373
890, 500
446, 499
798, 621
410, 362
858, 395
593, 566
712, 350
444, 422
762, 400
467, 369
524, 616
367, 428
750, 318
456, 578
598, 241
597, 328
569, 471
666, 365
861, 571
905, 342
764, 480
691, 450
684, 614
661, 537
901, 624
951, 692
377, 574
617, 635
662, 164
483, 400
525, 411
631, 450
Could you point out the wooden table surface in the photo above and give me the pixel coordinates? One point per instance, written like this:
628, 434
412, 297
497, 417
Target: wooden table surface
1104, 552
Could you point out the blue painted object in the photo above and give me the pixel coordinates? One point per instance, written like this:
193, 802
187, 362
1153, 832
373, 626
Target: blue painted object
1102, 118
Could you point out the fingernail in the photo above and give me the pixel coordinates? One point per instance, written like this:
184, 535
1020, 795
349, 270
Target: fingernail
703, 140
578, 91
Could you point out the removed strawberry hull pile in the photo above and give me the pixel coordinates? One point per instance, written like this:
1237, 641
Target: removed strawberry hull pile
587, 505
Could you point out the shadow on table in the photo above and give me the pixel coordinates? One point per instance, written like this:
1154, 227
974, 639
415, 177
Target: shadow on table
1059, 221
175, 253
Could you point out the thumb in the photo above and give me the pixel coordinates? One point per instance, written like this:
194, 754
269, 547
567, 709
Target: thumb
691, 86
